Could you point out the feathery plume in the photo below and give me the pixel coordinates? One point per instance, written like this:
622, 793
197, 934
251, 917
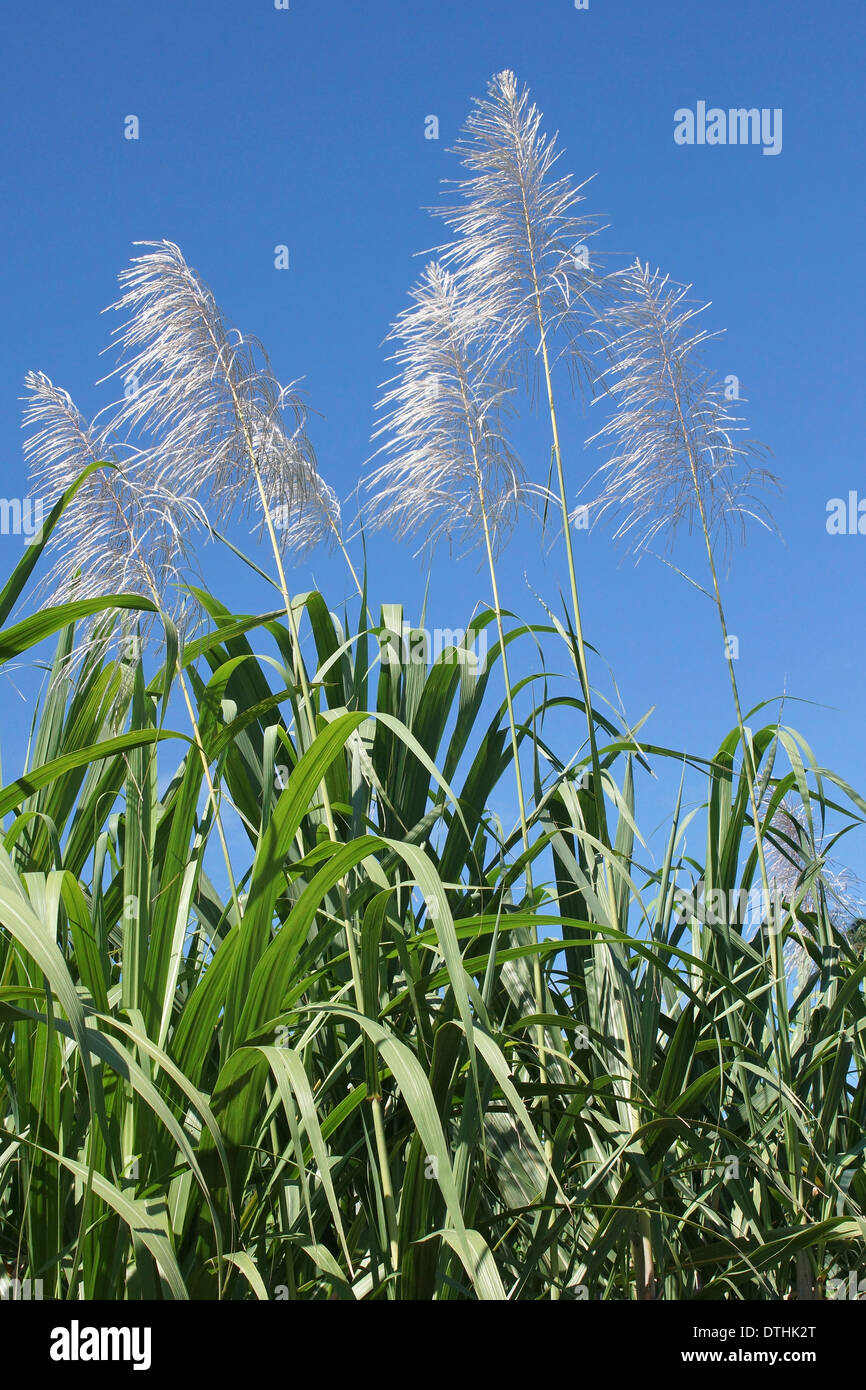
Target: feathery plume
677, 457
450, 471
793, 857
794, 860
524, 251
221, 423
519, 240
317, 520
123, 532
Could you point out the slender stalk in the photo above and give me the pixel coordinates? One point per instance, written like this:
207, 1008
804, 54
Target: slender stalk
642, 1246
581, 662
347, 557
387, 1187
642, 1260
488, 544
537, 981
307, 703
780, 1024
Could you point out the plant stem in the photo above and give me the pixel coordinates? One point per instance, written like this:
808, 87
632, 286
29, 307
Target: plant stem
307, 702
580, 662
779, 1020
537, 983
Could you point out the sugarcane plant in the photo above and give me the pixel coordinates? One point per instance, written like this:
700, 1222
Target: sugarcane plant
287, 1009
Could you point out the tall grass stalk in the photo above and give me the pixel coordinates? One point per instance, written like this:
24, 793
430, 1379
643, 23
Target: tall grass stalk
450, 469
524, 251
664, 475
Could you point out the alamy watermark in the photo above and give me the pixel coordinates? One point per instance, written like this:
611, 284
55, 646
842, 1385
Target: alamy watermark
851, 1287
77, 1343
737, 126
736, 907
420, 645
22, 516
846, 517
20, 1290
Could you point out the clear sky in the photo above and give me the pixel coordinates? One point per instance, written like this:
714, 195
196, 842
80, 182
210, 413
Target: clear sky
305, 127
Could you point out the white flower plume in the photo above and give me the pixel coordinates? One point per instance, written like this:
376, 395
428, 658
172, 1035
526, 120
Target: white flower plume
316, 520
204, 393
520, 241
677, 454
123, 532
794, 859
800, 869
450, 471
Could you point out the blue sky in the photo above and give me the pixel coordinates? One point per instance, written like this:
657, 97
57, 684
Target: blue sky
306, 127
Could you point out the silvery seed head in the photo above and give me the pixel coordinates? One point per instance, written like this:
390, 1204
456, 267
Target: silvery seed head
678, 453
124, 530
202, 397
315, 521
519, 240
449, 469
800, 869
